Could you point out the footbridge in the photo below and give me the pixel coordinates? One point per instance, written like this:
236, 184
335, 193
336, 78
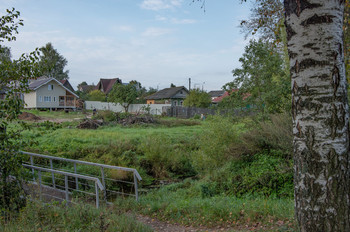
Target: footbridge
71, 180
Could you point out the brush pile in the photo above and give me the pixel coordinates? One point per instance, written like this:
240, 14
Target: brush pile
90, 124
136, 119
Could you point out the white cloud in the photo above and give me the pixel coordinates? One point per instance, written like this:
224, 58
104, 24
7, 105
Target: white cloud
160, 4
154, 31
175, 20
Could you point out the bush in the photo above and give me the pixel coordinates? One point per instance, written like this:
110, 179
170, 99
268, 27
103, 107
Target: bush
274, 134
216, 144
163, 159
106, 116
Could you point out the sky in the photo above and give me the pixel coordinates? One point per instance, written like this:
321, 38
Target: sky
156, 42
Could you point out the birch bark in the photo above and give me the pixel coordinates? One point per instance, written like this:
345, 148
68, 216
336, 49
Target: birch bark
320, 114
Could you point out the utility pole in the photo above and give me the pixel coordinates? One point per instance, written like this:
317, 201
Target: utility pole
189, 84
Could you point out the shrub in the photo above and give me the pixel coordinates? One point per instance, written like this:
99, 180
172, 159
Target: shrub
215, 144
106, 116
273, 134
162, 158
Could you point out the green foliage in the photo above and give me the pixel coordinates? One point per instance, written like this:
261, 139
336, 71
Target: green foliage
106, 115
162, 158
273, 134
52, 63
198, 98
123, 94
97, 95
183, 203
266, 19
215, 143
14, 76
262, 81
83, 217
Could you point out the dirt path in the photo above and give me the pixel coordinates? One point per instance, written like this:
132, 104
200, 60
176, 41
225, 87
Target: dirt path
160, 226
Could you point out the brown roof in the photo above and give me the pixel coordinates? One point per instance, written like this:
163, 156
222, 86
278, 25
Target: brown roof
66, 84
165, 93
216, 93
87, 88
106, 85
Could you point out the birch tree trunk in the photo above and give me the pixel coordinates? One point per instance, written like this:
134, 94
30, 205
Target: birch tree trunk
320, 114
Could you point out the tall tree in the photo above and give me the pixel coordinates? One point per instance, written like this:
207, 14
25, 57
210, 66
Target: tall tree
52, 63
320, 114
261, 81
123, 94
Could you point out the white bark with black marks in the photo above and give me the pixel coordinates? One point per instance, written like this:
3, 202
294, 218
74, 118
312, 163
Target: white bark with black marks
320, 114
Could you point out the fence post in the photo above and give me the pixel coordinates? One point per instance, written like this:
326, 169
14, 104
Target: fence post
104, 184
136, 187
52, 174
32, 163
97, 196
40, 187
76, 178
66, 188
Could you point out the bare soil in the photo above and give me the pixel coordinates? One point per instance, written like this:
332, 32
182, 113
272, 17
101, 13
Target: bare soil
29, 117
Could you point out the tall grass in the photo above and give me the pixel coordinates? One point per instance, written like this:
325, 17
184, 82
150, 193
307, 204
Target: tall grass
182, 203
47, 217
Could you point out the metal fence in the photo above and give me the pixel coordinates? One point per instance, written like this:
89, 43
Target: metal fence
75, 177
98, 184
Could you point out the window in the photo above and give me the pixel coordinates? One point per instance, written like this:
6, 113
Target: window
40, 99
54, 99
175, 103
181, 102
50, 87
47, 98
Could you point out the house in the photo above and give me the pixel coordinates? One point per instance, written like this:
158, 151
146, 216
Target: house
86, 88
216, 93
220, 98
66, 84
106, 85
174, 96
49, 93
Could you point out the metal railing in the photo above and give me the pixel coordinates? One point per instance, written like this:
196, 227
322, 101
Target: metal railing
98, 184
109, 184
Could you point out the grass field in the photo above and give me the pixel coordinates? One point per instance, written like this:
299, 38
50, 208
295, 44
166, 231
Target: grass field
214, 183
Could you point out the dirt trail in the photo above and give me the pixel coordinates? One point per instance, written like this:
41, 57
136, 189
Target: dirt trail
160, 226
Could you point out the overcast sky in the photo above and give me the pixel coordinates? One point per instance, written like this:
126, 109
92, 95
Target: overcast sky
156, 42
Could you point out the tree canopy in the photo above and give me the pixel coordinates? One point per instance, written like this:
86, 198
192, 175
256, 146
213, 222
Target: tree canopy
197, 98
96, 95
123, 94
261, 81
52, 63
14, 76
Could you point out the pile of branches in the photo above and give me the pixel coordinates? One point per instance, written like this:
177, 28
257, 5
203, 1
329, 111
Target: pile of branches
90, 124
136, 119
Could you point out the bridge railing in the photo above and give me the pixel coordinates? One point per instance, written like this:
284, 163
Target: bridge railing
112, 186
98, 184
